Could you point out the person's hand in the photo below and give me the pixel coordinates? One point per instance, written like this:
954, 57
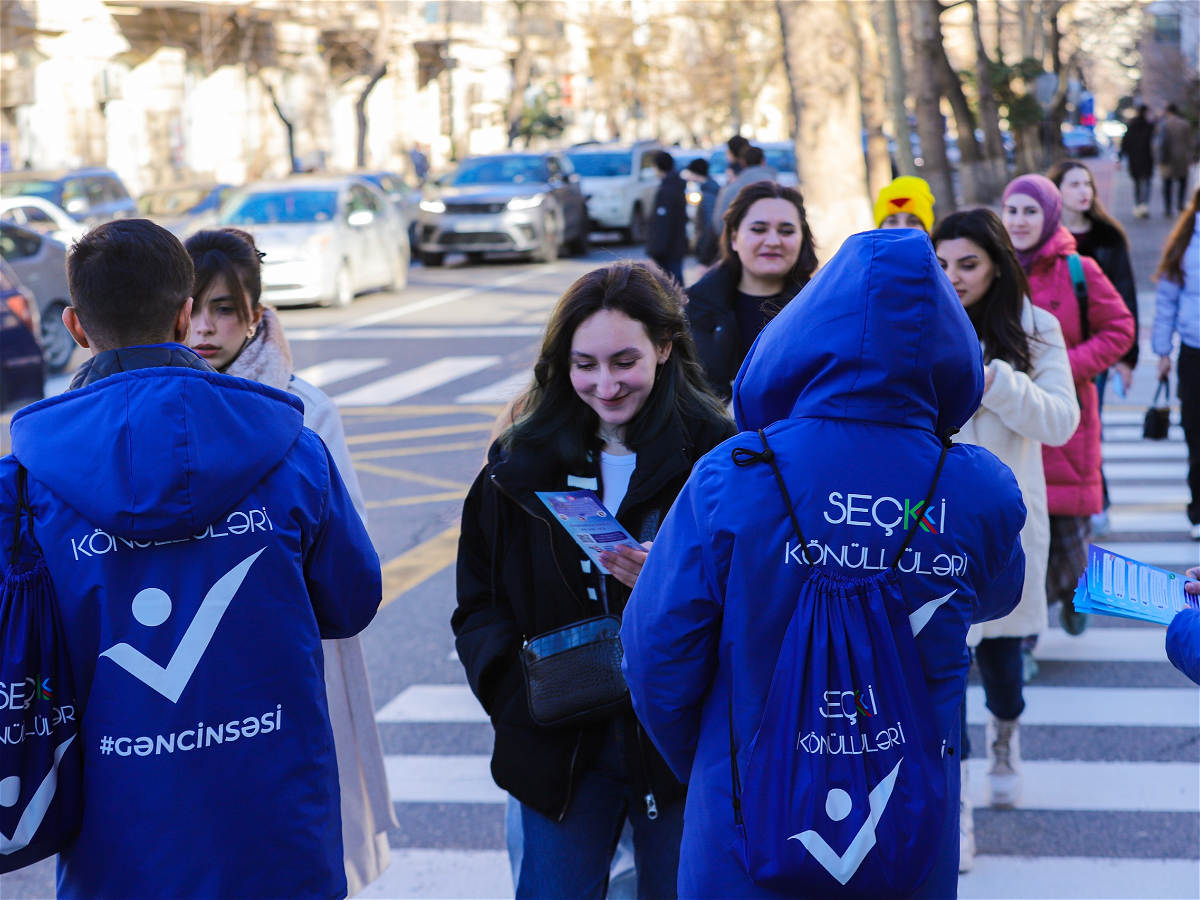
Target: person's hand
989, 375
1126, 372
1164, 367
625, 563
1192, 586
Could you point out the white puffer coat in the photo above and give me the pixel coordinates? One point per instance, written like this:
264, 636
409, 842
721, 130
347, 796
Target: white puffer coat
1020, 412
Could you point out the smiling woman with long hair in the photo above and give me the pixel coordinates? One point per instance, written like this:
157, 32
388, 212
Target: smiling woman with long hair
618, 404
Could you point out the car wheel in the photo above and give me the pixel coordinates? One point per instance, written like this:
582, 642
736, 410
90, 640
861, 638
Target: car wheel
475, 257
551, 237
432, 260
343, 286
56, 340
581, 245
636, 232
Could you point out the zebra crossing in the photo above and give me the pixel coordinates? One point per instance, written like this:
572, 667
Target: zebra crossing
409, 383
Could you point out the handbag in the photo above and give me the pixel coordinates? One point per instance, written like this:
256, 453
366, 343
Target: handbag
41, 765
573, 674
1158, 418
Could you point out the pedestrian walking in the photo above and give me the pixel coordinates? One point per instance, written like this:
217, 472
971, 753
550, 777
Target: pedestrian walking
1028, 401
1098, 330
1176, 153
618, 405
905, 203
1098, 235
1177, 309
1137, 148
189, 519
792, 546
237, 335
708, 238
767, 257
666, 232
754, 169
734, 148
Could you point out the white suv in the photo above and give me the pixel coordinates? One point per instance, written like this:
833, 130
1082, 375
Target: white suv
619, 181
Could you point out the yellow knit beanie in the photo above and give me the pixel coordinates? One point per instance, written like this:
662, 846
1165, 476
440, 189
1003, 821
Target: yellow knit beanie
906, 194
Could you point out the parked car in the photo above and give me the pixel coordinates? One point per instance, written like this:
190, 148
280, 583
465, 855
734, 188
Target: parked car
1081, 142
619, 181
184, 209
405, 199
513, 202
325, 238
779, 155
22, 376
90, 196
43, 217
40, 263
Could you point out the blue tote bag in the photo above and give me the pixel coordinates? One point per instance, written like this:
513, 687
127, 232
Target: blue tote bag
41, 764
845, 789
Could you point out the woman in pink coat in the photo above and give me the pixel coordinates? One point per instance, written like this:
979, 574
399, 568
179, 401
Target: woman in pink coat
1098, 330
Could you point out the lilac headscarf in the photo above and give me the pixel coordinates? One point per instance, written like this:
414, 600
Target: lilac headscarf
1043, 190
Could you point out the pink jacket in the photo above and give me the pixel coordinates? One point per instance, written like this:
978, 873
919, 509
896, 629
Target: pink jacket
1073, 482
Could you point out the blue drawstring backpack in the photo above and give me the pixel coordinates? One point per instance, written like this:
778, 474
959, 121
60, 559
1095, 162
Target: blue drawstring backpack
41, 765
845, 787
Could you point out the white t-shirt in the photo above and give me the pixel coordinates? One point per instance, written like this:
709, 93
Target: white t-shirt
615, 472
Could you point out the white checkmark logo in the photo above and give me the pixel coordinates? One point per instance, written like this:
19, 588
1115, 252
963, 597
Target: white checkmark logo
171, 681
921, 617
35, 812
843, 867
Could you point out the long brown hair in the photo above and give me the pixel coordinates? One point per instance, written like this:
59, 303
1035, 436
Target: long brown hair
228, 253
806, 262
1097, 213
1181, 235
551, 413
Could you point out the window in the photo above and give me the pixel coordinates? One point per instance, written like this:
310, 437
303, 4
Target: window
500, 170
114, 190
282, 207
1167, 29
38, 220
18, 244
602, 165
553, 167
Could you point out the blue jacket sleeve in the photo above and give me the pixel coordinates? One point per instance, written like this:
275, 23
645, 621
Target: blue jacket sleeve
998, 574
341, 567
1183, 643
672, 628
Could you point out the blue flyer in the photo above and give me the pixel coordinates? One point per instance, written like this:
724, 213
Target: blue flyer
592, 526
1116, 585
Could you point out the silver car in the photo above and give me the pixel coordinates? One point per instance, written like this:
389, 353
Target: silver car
41, 264
325, 238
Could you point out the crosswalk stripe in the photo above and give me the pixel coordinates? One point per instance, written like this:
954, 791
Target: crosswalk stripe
437, 874
1111, 706
415, 381
1103, 645
500, 392
1126, 494
1077, 878
1146, 471
1175, 554
1114, 786
433, 703
1134, 433
334, 370
1144, 450
442, 779
1136, 417
1175, 520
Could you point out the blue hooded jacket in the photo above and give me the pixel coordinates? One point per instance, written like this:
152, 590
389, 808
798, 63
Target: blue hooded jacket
201, 543
852, 382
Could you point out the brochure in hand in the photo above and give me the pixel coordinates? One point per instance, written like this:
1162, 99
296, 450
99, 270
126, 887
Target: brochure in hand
592, 526
1115, 585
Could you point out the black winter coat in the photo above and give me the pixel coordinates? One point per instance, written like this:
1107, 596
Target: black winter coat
1137, 147
520, 575
1109, 249
666, 233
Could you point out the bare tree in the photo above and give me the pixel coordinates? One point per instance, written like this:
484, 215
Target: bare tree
927, 49
522, 68
820, 41
879, 161
989, 110
899, 92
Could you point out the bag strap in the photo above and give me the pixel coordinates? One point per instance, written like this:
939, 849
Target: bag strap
1164, 387
23, 509
1080, 285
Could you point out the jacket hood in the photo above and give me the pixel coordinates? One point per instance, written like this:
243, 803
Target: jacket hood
1061, 243
878, 335
158, 453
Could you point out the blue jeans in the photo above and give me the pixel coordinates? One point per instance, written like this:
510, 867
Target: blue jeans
571, 859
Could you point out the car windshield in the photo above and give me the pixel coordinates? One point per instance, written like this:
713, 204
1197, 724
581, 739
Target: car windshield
602, 165
171, 203
271, 208
500, 170
782, 159
47, 190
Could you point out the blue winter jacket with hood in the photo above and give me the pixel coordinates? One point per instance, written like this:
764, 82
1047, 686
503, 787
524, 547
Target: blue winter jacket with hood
852, 382
201, 543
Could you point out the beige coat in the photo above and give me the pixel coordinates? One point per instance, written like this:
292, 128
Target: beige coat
1020, 412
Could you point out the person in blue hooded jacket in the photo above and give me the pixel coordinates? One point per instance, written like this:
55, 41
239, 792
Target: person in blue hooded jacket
201, 543
1183, 637
856, 384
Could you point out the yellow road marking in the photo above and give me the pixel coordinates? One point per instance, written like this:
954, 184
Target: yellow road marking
396, 412
408, 475
420, 563
414, 501
410, 433
418, 451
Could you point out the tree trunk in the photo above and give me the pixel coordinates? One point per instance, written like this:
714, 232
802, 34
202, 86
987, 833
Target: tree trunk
820, 40
935, 167
1026, 21
522, 73
1058, 110
989, 110
287, 123
874, 101
976, 186
360, 111
898, 92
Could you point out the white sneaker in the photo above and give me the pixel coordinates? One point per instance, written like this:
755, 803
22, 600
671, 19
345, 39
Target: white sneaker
966, 825
1196, 532
1004, 756
1100, 524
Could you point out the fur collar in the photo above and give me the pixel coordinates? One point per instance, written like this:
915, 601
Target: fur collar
266, 358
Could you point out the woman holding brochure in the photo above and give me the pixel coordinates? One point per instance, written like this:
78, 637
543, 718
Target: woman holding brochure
619, 406
1028, 401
